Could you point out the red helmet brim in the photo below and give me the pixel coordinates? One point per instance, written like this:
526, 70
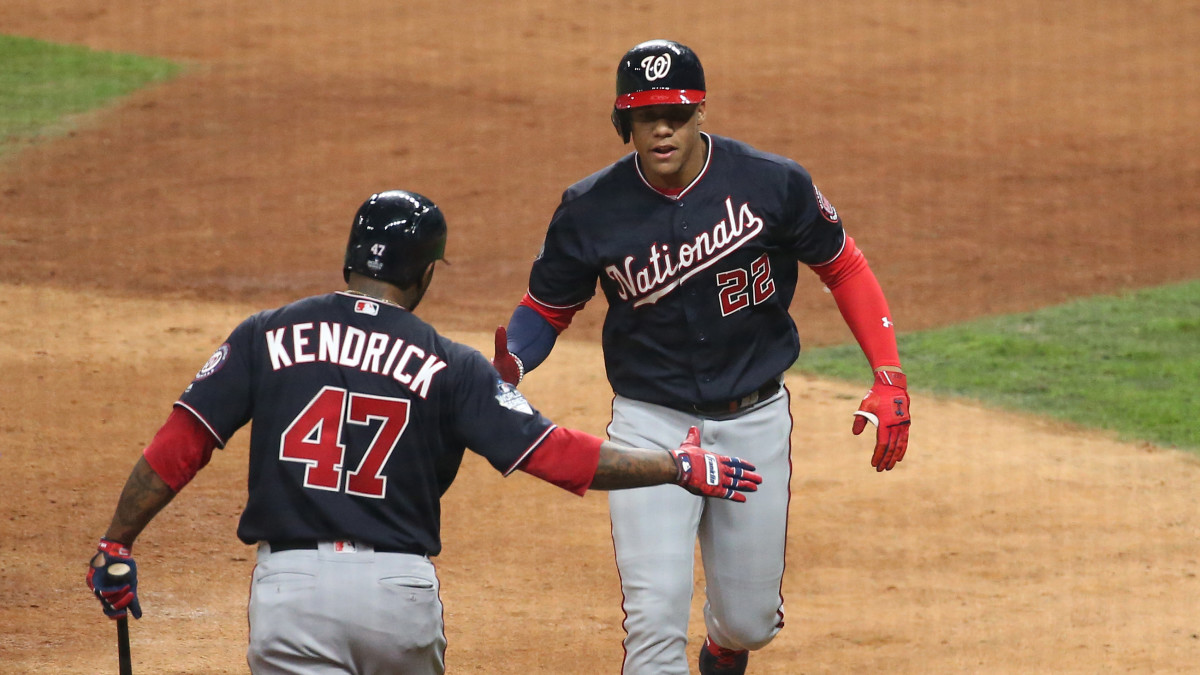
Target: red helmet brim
641, 99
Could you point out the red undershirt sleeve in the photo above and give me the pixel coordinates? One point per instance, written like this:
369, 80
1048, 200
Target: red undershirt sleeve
567, 458
180, 449
558, 317
862, 304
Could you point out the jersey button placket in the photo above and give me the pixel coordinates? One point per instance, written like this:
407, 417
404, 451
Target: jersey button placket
691, 307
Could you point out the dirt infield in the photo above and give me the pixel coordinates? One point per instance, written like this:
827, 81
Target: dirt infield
986, 159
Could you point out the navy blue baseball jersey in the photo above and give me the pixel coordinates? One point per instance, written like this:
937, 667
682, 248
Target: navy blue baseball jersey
699, 284
361, 413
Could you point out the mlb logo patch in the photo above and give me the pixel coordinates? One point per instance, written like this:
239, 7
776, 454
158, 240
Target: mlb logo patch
366, 307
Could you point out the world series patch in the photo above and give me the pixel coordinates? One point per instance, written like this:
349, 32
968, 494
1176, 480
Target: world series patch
508, 396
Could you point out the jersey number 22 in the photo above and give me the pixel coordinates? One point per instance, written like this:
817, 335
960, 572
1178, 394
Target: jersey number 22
740, 289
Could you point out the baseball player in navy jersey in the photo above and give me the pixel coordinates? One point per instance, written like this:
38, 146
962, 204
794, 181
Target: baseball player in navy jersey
361, 416
695, 240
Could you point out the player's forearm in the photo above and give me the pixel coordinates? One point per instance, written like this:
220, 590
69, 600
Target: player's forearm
144, 495
623, 467
865, 310
530, 337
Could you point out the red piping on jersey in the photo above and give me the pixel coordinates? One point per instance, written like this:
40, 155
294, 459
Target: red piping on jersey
198, 416
862, 304
845, 239
558, 317
708, 152
532, 446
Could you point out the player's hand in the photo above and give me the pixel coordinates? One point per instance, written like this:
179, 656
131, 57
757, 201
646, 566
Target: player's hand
709, 475
886, 406
114, 587
505, 362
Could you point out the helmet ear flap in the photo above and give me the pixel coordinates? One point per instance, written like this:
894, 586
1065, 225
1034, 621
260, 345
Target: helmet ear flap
620, 120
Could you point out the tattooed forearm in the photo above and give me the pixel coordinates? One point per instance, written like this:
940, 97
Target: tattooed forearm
144, 495
622, 467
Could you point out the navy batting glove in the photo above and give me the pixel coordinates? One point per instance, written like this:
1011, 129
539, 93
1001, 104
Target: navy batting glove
112, 576
886, 406
710, 475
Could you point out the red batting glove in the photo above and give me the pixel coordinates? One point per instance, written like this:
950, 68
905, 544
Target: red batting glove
886, 406
709, 475
505, 362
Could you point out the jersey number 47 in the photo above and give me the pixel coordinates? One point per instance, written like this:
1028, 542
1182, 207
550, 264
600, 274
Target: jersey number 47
314, 438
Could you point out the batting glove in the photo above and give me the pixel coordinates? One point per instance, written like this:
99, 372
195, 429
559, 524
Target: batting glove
114, 587
886, 406
709, 475
505, 362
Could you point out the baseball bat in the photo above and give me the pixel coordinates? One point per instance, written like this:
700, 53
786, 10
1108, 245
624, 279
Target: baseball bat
120, 572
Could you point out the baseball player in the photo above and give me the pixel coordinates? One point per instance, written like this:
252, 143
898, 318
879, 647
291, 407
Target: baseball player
361, 415
695, 239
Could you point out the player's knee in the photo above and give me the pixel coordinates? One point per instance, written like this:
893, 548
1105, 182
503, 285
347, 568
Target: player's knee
749, 632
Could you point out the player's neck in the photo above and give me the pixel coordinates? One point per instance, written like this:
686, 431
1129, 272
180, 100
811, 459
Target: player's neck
382, 291
672, 185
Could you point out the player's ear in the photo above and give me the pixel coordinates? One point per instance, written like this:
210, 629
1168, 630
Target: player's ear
700, 113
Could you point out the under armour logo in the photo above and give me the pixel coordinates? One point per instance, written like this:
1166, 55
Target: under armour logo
656, 67
887, 323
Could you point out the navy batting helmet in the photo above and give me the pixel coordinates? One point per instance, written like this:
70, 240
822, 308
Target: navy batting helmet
655, 73
395, 235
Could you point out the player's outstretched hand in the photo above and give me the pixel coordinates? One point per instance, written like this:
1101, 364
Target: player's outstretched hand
886, 406
710, 475
112, 576
505, 363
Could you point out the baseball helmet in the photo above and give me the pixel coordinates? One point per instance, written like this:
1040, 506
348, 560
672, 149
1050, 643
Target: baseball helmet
657, 72
395, 235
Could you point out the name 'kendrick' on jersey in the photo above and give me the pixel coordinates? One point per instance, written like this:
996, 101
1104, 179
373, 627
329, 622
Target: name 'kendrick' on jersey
350, 347
659, 276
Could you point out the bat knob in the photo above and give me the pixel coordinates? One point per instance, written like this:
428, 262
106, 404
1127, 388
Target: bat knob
118, 571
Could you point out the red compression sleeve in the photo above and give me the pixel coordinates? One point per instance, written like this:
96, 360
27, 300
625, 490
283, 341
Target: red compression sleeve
558, 317
180, 449
862, 304
567, 458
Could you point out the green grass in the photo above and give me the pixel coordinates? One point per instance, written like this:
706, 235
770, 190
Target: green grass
42, 83
1128, 363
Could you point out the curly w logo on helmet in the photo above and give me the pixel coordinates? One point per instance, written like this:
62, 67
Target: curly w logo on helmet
656, 67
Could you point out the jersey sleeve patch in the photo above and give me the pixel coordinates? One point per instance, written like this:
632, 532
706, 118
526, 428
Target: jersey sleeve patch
827, 210
214, 362
508, 396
